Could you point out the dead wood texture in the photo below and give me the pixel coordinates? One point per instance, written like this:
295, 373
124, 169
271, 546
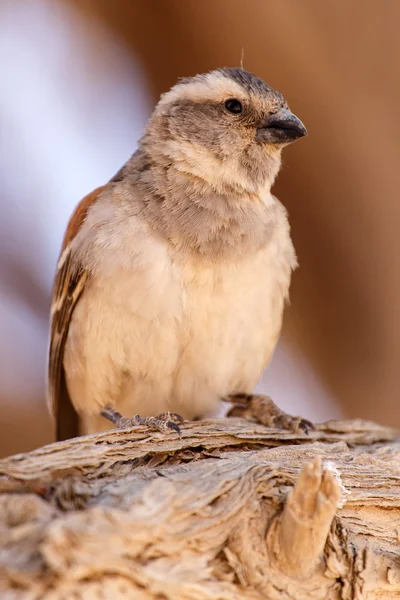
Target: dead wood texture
229, 510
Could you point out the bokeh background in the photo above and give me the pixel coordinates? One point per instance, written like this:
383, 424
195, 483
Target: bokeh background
79, 79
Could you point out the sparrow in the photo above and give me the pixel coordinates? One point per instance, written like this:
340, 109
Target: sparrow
172, 277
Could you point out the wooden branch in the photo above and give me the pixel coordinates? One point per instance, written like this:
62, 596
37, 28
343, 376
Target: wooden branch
300, 535
228, 510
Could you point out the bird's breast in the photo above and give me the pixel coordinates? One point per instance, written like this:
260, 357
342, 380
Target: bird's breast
230, 322
180, 334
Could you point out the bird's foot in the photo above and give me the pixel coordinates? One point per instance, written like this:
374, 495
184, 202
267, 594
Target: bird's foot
265, 410
164, 422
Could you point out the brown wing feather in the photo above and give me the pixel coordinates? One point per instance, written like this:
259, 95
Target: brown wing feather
68, 286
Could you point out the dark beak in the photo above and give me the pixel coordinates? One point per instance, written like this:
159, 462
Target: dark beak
283, 127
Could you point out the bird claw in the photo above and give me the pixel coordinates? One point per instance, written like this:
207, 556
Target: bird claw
290, 423
171, 416
306, 426
263, 409
160, 423
164, 422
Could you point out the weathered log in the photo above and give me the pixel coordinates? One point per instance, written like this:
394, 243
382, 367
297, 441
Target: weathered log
228, 510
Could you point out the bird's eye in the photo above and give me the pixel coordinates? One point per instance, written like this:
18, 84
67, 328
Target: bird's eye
234, 106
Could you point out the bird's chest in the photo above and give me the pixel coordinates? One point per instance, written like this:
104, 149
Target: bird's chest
169, 314
183, 333
178, 316
219, 303
231, 316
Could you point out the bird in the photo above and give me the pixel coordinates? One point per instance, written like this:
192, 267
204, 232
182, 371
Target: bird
172, 277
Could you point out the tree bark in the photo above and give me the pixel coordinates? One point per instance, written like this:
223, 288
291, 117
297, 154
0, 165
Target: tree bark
228, 510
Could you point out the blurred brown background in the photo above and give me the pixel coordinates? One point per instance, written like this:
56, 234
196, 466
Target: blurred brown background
79, 79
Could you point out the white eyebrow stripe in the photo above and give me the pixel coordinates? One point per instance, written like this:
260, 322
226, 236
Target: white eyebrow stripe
213, 86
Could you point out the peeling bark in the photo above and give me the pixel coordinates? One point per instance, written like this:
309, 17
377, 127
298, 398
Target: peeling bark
228, 510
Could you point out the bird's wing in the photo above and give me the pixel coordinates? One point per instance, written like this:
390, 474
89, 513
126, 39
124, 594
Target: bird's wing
69, 284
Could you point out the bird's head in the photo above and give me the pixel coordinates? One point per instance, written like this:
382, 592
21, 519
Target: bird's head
224, 126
